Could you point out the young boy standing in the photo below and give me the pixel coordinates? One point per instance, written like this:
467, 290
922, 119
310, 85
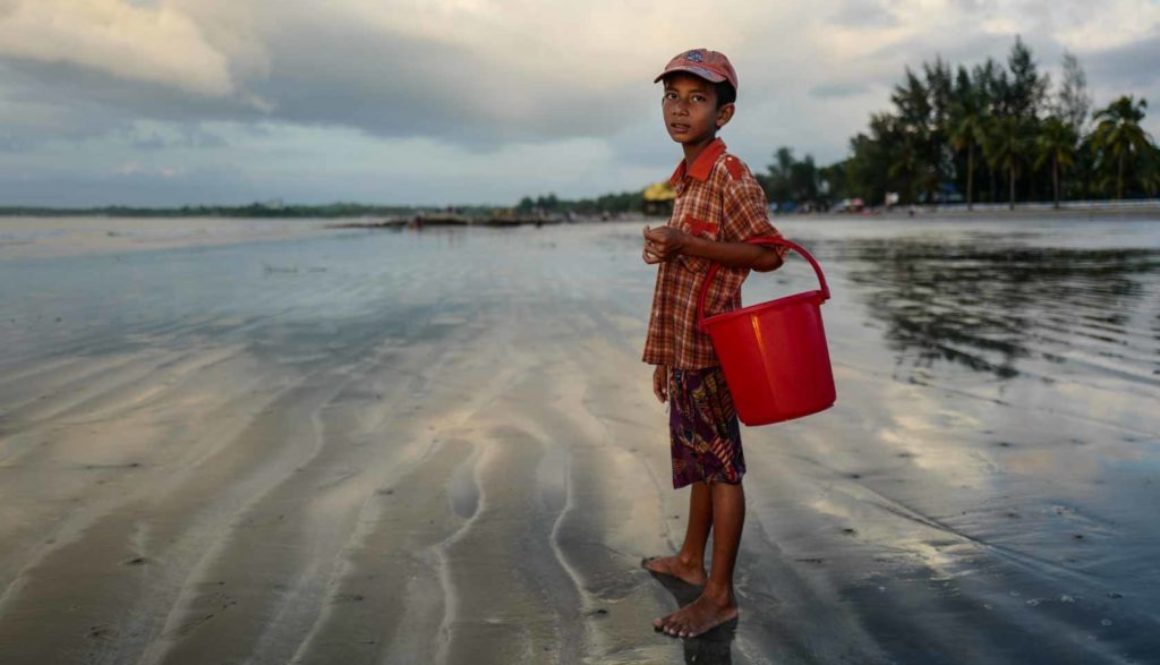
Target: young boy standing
719, 205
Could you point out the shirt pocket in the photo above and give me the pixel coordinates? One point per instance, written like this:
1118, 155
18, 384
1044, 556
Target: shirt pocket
701, 228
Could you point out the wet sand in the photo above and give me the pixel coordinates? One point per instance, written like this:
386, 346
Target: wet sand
394, 447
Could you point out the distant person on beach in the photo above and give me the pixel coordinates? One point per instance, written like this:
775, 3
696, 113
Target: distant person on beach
719, 205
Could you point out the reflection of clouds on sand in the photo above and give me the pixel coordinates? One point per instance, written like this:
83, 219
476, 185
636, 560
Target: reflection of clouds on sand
928, 435
872, 509
993, 439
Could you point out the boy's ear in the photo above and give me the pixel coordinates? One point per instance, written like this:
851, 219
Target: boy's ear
725, 114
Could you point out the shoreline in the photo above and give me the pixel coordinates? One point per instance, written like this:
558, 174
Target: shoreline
1040, 211
371, 216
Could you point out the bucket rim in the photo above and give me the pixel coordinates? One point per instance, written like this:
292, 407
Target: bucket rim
756, 308
760, 240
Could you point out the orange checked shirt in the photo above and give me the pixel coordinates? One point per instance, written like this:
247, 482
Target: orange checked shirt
719, 199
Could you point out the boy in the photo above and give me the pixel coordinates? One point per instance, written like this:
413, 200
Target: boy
719, 205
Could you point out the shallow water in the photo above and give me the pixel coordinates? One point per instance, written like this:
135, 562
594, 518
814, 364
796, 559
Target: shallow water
982, 491
1014, 369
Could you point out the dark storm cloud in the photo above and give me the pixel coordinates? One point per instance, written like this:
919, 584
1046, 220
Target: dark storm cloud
838, 90
864, 14
973, 7
1135, 66
397, 85
388, 85
11, 143
887, 65
140, 189
87, 104
186, 136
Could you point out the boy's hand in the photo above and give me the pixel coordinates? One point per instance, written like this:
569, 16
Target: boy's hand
663, 243
661, 382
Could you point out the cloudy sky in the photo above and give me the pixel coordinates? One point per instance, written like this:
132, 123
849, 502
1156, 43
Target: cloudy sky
171, 102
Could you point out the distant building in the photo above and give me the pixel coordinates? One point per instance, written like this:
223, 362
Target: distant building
657, 199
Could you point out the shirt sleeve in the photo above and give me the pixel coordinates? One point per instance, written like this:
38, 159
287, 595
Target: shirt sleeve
746, 212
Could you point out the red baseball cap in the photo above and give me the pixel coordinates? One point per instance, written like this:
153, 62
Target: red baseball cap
712, 66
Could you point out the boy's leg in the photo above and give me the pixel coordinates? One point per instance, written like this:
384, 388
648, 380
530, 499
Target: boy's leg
689, 563
716, 605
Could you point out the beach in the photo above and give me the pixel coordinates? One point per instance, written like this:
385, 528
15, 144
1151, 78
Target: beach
239, 441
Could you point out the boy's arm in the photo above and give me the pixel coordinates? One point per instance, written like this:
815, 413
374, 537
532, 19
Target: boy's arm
665, 243
661, 382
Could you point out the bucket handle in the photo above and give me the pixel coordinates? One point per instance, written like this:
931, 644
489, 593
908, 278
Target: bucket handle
762, 240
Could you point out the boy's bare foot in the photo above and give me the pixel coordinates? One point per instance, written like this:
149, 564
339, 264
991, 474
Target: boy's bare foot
698, 617
672, 566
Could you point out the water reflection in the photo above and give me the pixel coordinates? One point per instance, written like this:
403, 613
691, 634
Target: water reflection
1005, 309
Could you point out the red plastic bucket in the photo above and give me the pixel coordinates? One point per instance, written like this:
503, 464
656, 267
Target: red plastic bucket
774, 354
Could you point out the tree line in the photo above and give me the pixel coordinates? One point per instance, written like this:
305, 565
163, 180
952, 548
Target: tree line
988, 133
612, 203
261, 210
269, 210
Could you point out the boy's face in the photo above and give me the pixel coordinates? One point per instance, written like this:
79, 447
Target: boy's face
690, 109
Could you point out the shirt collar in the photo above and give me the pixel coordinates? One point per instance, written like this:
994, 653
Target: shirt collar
702, 166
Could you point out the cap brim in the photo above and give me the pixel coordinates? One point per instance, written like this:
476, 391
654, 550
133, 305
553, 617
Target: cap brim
695, 71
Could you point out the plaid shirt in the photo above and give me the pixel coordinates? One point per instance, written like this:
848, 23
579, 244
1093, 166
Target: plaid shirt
719, 199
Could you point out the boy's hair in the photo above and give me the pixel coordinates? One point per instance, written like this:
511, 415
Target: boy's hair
726, 93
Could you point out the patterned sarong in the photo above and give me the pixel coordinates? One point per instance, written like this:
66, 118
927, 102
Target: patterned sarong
706, 437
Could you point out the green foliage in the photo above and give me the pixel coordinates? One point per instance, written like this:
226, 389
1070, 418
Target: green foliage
623, 202
1027, 91
1057, 141
1056, 145
968, 118
1006, 148
1150, 171
549, 204
995, 122
1072, 101
790, 180
1121, 143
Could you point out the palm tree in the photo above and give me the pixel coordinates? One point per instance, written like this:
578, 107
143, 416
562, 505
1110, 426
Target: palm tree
1004, 149
1118, 134
1056, 141
776, 182
916, 161
1150, 173
906, 168
967, 131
